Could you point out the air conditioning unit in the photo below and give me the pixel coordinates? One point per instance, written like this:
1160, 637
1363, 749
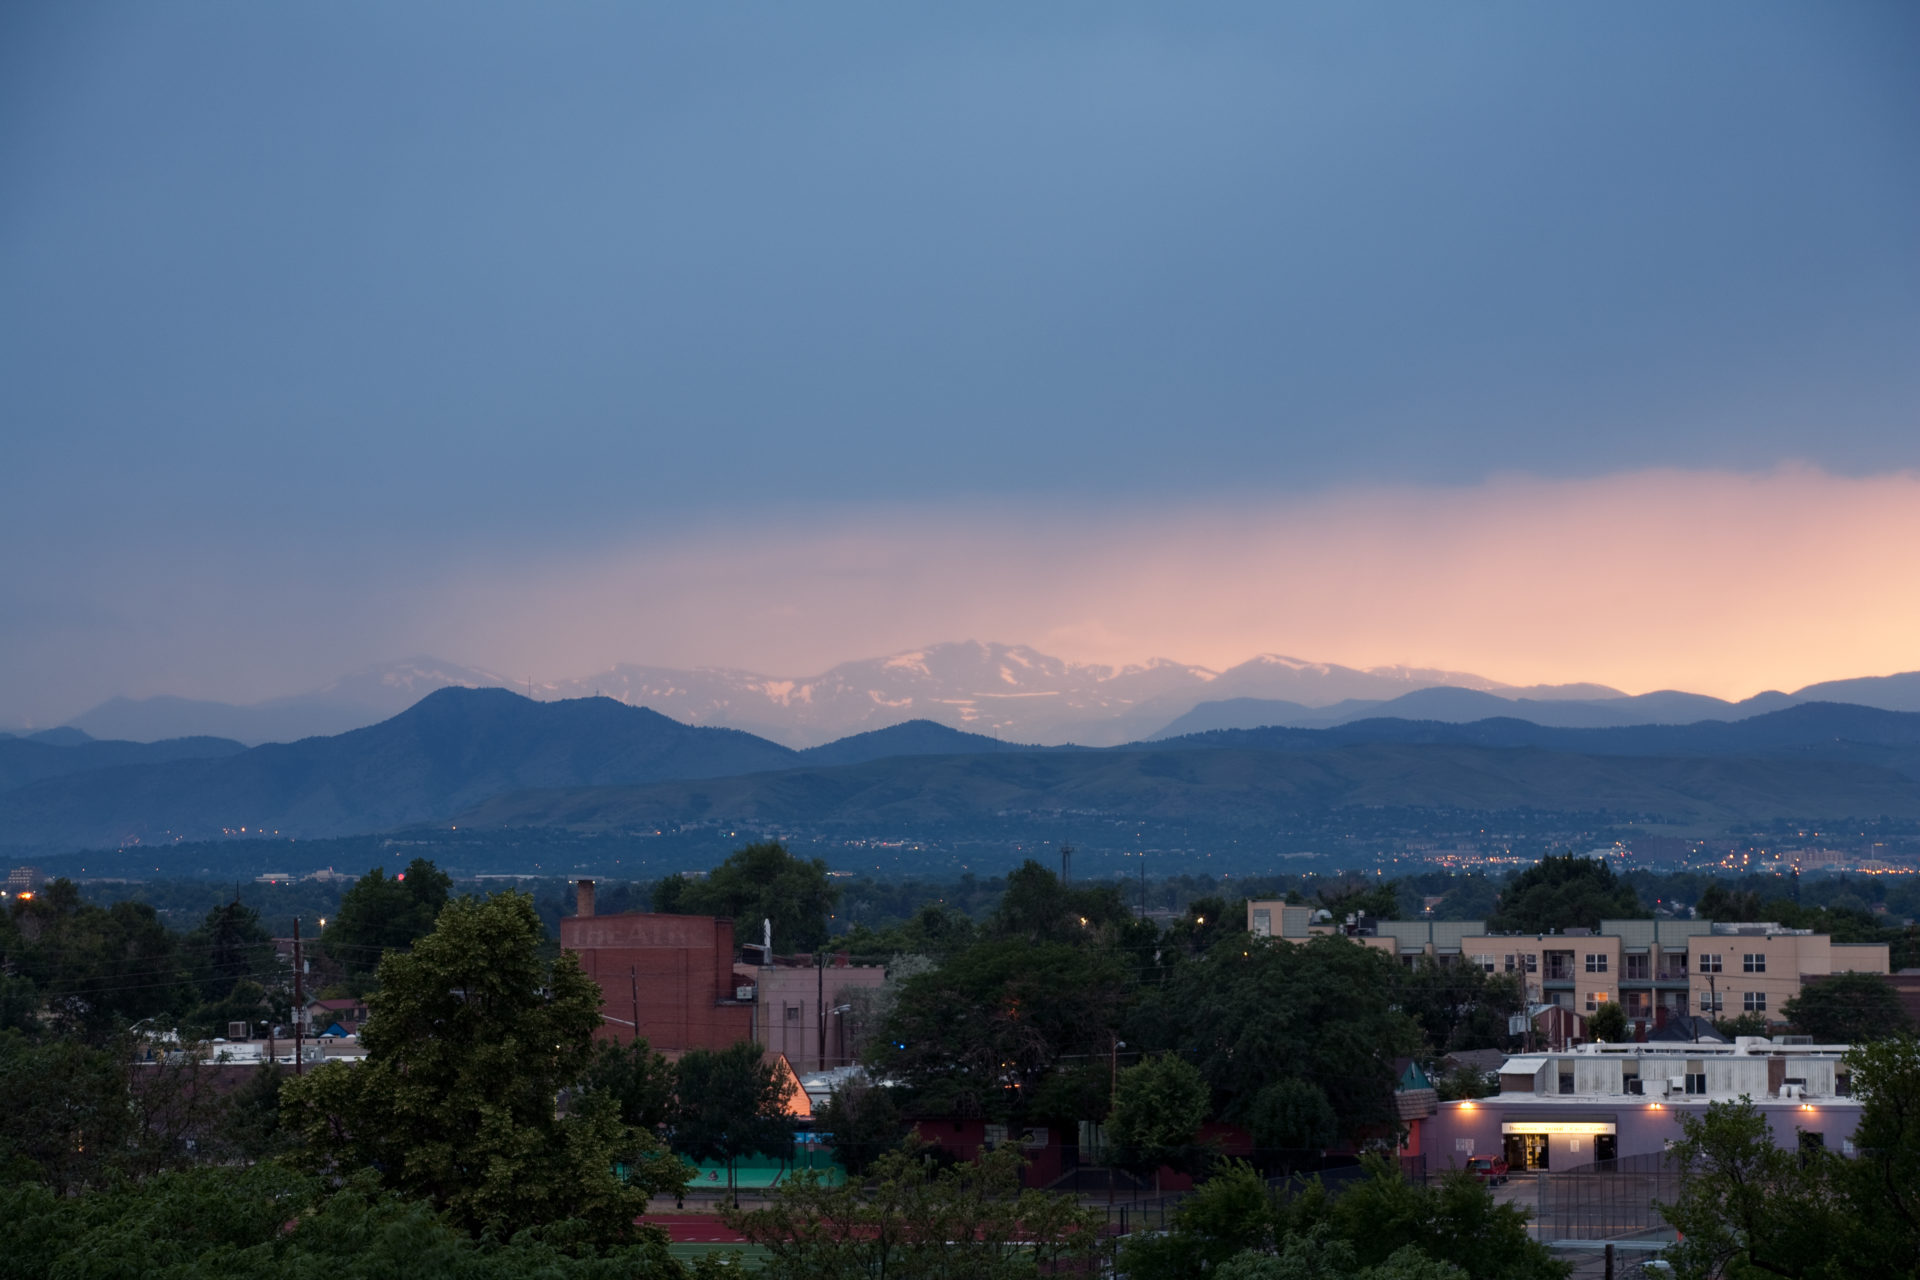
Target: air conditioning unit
1676, 1084
236, 1031
743, 993
1792, 1091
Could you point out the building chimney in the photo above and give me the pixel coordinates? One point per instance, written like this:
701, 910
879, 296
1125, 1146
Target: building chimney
585, 900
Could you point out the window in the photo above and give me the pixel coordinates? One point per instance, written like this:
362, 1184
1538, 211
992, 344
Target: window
1596, 964
1754, 963
1509, 964
1262, 922
1639, 967
1842, 1084
1696, 1082
1533, 964
1756, 1002
793, 1013
1710, 964
1566, 1082
1712, 1001
1595, 999
1483, 963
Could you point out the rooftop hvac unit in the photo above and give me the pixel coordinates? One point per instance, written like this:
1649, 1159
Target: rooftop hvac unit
1676, 1084
1791, 1091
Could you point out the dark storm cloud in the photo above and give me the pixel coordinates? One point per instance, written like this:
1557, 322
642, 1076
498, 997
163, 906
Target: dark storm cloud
363, 286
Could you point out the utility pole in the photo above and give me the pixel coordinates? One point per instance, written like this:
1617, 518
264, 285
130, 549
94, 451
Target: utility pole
299, 1003
633, 976
820, 1063
1113, 1091
1066, 864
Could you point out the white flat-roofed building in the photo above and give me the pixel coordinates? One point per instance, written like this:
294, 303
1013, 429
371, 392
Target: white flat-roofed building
1612, 1101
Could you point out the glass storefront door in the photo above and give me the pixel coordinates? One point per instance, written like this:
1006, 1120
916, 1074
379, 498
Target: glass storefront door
1526, 1151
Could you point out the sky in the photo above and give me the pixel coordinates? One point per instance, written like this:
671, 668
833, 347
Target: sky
1553, 343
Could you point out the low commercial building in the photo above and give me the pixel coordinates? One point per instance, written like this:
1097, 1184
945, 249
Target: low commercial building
1603, 1102
1657, 970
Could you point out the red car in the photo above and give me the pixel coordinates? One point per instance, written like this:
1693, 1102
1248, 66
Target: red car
1489, 1169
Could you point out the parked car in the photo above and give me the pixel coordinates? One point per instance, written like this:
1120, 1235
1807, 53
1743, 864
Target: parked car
1489, 1169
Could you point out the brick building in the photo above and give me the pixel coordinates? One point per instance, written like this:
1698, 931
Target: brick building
669, 978
680, 980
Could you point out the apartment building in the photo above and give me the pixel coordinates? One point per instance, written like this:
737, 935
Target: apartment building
1655, 969
1607, 1102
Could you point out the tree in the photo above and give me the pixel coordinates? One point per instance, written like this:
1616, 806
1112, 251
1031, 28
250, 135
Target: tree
1292, 1115
1608, 1023
378, 915
977, 1035
1746, 1204
1254, 1010
1460, 1006
1744, 1024
1453, 1219
1847, 1008
1158, 1108
1883, 1181
639, 1082
470, 1040
920, 1222
66, 1117
267, 1222
1229, 1214
1376, 899
731, 1103
759, 882
231, 947
865, 1122
1564, 893
1040, 907
97, 969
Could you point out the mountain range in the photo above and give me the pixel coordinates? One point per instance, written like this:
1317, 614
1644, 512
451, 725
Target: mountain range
1004, 691
491, 757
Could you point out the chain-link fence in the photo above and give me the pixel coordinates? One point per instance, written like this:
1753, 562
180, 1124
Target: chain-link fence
1606, 1200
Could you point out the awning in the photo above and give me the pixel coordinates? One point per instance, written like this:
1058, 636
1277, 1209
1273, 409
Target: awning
1557, 1126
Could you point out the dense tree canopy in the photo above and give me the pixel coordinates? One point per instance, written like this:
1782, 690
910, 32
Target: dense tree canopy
1380, 1228
471, 1038
1158, 1107
975, 1036
1749, 1207
1563, 893
759, 882
378, 914
730, 1103
1255, 1009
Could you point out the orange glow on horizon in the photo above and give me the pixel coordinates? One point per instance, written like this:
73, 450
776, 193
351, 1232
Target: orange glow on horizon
1712, 582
